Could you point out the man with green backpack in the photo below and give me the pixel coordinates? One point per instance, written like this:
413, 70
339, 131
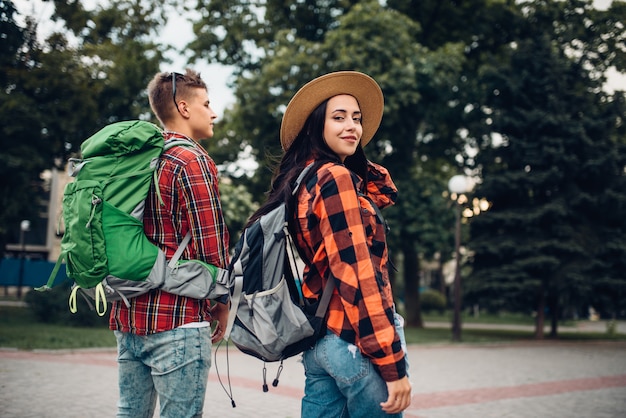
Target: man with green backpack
164, 339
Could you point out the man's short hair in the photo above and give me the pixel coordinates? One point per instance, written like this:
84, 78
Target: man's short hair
161, 92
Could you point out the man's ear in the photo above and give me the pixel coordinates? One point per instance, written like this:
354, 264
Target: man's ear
183, 108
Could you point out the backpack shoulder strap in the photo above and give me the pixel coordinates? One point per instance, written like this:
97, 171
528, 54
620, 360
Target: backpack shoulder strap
379, 214
320, 312
322, 307
177, 143
179, 250
303, 174
169, 145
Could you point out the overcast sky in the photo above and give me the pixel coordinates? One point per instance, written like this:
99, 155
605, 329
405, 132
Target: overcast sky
178, 33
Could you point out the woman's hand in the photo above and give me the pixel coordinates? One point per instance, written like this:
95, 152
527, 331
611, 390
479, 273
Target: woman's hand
399, 396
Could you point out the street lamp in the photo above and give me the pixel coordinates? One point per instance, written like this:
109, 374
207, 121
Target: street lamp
24, 226
457, 185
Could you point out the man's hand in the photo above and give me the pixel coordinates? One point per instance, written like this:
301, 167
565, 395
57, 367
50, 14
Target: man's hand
399, 396
219, 313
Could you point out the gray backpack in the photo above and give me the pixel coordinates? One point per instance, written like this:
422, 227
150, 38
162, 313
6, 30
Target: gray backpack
269, 319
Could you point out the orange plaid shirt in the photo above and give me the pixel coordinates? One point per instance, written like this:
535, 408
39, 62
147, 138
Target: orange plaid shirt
340, 234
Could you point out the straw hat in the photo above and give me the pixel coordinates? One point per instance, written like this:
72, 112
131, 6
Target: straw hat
366, 91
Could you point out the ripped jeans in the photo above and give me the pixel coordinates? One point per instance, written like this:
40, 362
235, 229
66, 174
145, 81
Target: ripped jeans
173, 365
340, 382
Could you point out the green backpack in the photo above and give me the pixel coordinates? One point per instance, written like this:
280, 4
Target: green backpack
106, 251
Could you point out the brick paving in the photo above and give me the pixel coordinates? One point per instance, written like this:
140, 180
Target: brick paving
521, 380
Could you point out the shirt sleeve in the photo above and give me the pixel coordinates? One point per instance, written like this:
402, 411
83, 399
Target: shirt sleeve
358, 283
199, 200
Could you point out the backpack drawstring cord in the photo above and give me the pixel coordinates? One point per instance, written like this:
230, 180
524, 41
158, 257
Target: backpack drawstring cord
229, 392
280, 369
265, 388
95, 201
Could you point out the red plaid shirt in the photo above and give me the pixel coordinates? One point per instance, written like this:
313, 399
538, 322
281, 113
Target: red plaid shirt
188, 183
338, 230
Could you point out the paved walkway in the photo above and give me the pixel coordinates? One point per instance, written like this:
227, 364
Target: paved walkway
521, 380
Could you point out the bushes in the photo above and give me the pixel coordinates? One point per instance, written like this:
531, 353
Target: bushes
432, 301
52, 307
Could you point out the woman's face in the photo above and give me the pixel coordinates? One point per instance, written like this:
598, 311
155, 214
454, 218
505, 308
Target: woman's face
342, 125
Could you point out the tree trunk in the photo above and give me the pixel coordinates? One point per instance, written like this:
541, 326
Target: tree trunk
554, 316
540, 319
411, 288
442, 280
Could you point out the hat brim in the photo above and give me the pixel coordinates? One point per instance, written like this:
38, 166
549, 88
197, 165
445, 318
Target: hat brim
361, 86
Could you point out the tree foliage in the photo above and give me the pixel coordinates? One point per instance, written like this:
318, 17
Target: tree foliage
59, 88
276, 54
551, 159
511, 92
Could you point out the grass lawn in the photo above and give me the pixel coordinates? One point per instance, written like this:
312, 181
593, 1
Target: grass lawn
20, 329
484, 336
505, 318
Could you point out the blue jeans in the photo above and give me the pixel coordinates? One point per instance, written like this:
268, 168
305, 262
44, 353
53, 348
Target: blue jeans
173, 365
342, 383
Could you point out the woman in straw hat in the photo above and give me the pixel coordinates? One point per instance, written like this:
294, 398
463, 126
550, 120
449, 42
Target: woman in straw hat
358, 368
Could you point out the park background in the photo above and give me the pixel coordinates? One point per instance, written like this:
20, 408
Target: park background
524, 100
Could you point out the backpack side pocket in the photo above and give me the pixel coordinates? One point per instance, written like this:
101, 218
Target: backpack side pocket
196, 279
267, 322
130, 253
83, 241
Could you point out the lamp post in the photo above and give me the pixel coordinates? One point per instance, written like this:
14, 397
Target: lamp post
24, 226
457, 185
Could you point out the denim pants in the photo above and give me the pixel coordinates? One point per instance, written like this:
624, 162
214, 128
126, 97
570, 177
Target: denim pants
340, 382
173, 365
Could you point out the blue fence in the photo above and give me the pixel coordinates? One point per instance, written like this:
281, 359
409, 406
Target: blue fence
36, 272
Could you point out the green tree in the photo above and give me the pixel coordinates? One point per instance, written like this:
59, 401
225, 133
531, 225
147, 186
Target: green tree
438, 63
13, 38
331, 36
58, 91
551, 151
237, 204
34, 103
244, 33
118, 53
